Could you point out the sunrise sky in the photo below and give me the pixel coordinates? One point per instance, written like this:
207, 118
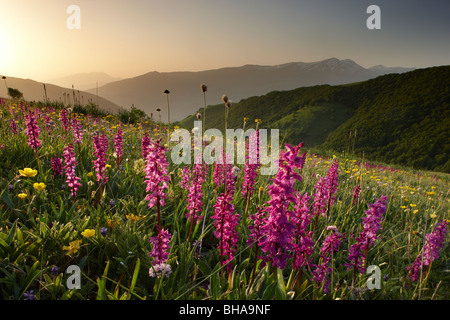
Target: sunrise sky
130, 38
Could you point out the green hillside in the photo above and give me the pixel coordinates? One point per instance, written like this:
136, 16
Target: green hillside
399, 118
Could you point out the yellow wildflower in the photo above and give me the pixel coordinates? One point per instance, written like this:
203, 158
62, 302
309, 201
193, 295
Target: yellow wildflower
73, 247
133, 217
39, 186
258, 120
28, 172
412, 205
108, 166
88, 233
433, 215
112, 224
22, 195
90, 174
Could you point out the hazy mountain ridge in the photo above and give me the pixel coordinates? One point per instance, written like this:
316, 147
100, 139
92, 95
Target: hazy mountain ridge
34, 91
146, 91
399, 118
84, 81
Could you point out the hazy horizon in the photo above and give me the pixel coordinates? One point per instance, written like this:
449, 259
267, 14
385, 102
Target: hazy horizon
128, 39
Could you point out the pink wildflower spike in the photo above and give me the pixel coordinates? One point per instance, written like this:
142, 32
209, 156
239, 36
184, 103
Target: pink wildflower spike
355, 193
185, 178
195, 196
64, 120
302, 244
226, 221
279, 229
145, 142
118, 145
77, 130
13, 126
156, 174
69, 167
100, 148
367, 237
57, 167
160, 249
321, 271
250, 172
434, 242
32, 131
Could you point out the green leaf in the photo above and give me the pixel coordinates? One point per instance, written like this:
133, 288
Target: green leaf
12, 233
204, 267
135, 276
4, 246
269, 293
101, 283
281, 287
5, 196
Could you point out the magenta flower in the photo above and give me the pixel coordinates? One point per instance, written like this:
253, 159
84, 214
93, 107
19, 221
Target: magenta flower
64, 120
195, 196
355, 193
218, 174
258, 220
332, 180
32, 131
100, 148
118, 145
69, 167
434, 242
320, 197
160, 246
13, 126
321, 271
250, 168
302, 242
145, 143
49, 123
279, 229
77, 130
325, 190
156, 176
185, 178
57, 167
226, 222
366, 238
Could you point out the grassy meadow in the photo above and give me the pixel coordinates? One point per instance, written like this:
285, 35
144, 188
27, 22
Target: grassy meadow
107, 228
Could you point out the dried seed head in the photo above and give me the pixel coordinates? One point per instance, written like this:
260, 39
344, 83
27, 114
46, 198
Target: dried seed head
228, 104
158, 109
204, 87
166, 91
225, 98
199, 116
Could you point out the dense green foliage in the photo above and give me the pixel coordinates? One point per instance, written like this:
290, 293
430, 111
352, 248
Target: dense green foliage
399, 118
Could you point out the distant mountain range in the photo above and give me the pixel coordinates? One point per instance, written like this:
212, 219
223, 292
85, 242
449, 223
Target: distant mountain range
146, 91
84, 81
395, 118
34, 91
